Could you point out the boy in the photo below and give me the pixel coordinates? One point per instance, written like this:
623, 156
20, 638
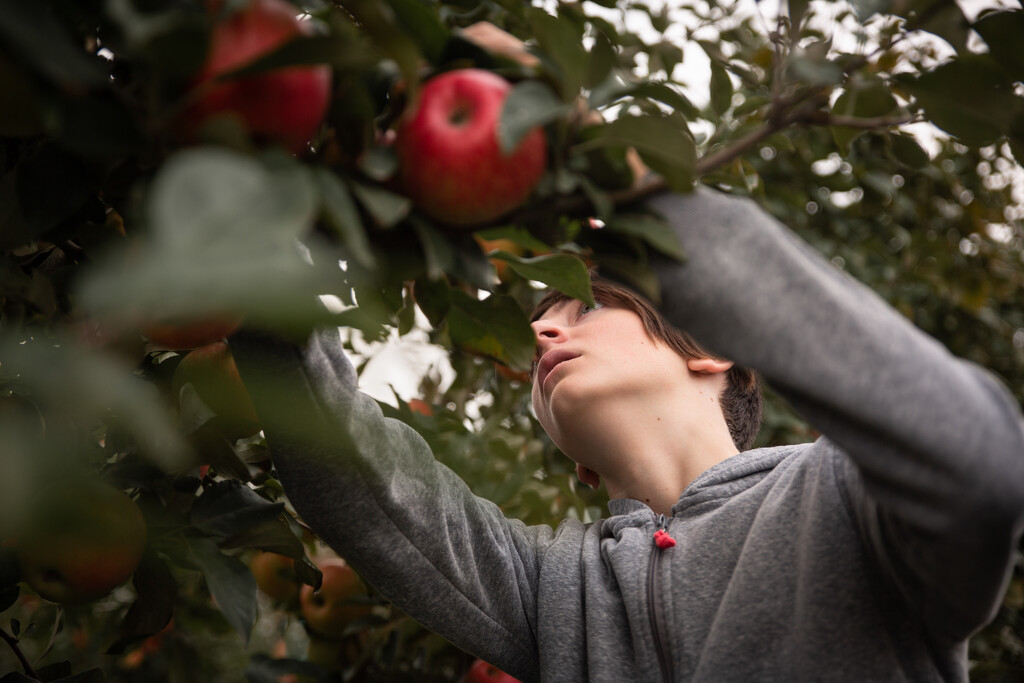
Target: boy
869, 555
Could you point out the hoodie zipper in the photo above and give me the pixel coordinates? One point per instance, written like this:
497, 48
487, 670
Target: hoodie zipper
662, 542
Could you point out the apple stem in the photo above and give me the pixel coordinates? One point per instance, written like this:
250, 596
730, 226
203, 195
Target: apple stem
13, 642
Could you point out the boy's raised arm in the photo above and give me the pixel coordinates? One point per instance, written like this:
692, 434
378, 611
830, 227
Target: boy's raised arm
935, 473
371, 489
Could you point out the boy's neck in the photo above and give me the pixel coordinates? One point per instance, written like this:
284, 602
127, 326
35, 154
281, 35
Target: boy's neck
652, 456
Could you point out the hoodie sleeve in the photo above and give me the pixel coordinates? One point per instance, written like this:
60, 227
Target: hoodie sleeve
371, 489
934, 471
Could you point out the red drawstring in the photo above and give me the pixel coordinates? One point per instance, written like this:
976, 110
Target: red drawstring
663, 540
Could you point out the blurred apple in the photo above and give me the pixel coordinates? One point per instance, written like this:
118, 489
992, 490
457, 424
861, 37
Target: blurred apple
82, 539
329, 611
284, 105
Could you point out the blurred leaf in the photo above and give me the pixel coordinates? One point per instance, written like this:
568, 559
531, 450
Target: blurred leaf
721, 88
941, 18
423, 25
273, 535
387, 208
30, 29
529, 104
51, 185
969, 98
23, 113
231, 584
100, 126
560, 41
865, 97
156, 593
343, 216
223, 236
663, 143
907, 152
81, 381
1002, 32
566, 273
229, 507
602, 59
339, 53
654, 231
440, 257
495, 328
433, 298
520, 236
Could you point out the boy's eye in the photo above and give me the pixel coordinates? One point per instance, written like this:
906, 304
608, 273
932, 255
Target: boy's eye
587, 308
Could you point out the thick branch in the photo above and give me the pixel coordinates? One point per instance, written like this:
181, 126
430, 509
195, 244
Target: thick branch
13, 642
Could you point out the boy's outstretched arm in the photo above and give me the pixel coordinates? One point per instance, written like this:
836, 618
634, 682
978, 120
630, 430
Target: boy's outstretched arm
371, 489
935, 445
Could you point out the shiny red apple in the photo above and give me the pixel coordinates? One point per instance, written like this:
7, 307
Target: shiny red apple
450, 161
284, 105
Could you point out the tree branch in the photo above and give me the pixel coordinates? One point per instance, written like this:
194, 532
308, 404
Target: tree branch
13, 642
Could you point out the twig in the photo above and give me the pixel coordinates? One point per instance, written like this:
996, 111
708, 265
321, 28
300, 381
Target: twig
13, 642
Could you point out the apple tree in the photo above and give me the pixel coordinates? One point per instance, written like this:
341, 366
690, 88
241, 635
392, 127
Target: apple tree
173, 170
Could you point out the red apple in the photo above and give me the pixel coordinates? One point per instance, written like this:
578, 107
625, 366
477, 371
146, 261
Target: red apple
328, 611
285, 105
451, 164
212, 372
482, 672
275, 576
189, 334
82, 540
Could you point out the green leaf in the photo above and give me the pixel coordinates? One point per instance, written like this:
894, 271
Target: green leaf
229, 507
438, 252
528, 105
602, 59
941, 18
30, 29
387, 208
433, 298
100, 126
721, 88
307, 51
906, 151
29, 117
421, 22
223, 232
561, 46
274, 535
495, 328
521, 236
156, 592
342, 215
663, 142
1002, 32
656, 232
969, 98
231, 584
566, 273
865, 97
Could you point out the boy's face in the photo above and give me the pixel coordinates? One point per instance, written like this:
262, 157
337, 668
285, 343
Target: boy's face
591, 362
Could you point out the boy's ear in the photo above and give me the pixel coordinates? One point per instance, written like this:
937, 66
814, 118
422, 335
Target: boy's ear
708, 366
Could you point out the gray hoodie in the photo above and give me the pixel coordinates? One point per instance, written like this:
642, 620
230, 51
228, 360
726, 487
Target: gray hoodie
871, 554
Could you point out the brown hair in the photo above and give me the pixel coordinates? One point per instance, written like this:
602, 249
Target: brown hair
741, 400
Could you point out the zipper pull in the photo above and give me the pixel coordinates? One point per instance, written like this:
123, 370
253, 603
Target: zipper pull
661, 537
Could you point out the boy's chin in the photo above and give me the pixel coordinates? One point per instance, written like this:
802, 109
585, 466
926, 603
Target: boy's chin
588, 476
